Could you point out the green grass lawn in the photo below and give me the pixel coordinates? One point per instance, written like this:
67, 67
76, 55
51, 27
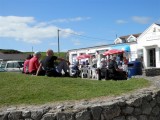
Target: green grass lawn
18, 88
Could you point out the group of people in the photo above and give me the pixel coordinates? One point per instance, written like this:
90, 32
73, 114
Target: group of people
47, 66
33, 65
115, 69
105, 63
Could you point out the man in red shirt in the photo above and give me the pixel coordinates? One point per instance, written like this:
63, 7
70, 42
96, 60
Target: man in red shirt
34, 63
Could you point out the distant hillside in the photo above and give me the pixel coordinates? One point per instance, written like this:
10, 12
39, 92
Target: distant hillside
9, 51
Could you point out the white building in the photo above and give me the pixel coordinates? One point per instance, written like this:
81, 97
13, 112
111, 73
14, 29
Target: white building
146, 45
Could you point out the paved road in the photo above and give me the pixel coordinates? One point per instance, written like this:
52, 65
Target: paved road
155, 80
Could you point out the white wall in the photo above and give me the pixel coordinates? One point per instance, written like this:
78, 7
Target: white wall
133, 53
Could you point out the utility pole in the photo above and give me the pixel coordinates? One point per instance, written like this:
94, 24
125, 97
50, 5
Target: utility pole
58, 44
32, 49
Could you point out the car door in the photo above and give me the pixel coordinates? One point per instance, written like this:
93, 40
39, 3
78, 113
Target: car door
17, 67
9, 67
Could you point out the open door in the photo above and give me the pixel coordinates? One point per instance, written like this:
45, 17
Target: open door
152, 57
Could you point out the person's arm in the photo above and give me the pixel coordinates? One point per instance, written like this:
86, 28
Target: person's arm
37, 64
62, 59
116, 67
38, 70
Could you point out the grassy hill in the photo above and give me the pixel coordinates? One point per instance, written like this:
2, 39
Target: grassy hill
18, 88
61, 55
9, 51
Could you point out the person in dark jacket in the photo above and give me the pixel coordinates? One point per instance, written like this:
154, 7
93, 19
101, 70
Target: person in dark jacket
114, 71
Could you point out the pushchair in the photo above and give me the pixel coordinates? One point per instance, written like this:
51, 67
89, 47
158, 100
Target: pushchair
74, 71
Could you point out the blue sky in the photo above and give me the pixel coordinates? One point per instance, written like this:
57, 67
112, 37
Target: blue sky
34, 23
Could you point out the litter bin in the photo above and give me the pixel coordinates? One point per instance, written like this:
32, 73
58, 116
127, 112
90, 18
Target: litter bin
134, 68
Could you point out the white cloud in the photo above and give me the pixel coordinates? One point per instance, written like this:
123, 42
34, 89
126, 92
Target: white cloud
76, 42
27, 29
66, 20
121, 21
141, 19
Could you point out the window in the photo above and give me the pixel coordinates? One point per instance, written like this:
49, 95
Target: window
16, 65
20, 64
131, 39
10, 65
140, 53
74, 58
118, 41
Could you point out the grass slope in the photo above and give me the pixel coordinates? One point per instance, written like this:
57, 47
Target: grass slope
17, 88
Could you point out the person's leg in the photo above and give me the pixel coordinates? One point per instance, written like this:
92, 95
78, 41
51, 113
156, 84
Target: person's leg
42, 73
33, 72
53, 73
62, 66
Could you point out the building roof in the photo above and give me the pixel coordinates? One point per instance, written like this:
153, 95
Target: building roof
127, 36
157, 24
96, 47
13, 56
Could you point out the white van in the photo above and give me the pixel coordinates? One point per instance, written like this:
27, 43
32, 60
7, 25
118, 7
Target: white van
14, 66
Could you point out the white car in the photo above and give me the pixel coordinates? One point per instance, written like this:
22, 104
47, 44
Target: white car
14, 66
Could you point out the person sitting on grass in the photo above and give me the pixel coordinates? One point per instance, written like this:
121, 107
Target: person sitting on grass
34, 63
48, 64
26, 64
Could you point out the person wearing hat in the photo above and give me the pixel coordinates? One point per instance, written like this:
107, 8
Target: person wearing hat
34, 63
48, 64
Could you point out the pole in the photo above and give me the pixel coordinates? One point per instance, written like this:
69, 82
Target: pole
32, 49
58, 44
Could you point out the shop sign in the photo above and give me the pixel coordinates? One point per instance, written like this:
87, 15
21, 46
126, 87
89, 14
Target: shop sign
151, 38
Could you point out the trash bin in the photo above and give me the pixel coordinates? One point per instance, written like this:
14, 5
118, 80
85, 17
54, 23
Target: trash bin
134, 68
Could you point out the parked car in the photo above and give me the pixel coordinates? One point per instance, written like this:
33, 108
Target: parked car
14, 66
2, 70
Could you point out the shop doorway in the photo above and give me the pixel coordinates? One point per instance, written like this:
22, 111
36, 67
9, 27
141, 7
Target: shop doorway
152, 57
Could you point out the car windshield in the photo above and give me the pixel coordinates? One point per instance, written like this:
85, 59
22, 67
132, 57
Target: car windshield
1, 70
2, 65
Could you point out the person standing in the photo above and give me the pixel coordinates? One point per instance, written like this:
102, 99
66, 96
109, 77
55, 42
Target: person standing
125, 64
94, 61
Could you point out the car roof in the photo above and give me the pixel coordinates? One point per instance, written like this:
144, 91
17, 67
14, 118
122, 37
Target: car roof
14, 61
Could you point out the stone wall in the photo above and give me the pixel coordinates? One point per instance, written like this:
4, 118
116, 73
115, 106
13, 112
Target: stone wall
152, 72
142, 105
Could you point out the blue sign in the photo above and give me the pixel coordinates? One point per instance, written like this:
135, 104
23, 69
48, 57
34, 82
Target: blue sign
124, 47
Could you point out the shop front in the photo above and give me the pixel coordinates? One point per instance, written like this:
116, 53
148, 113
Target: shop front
149, 43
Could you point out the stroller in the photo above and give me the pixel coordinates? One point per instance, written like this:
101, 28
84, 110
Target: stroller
74, 70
